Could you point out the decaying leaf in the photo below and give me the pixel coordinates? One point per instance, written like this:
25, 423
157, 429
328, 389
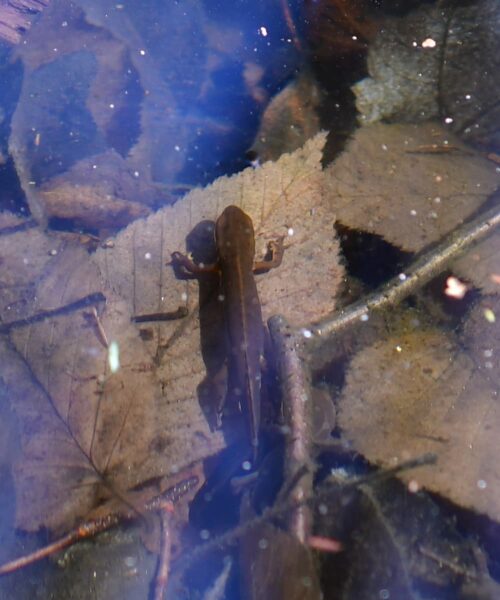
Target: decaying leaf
402, 543
394, 181
430, 397
130, 81
424, 66
98, 192
290, 119
481, 335
276, 565
88, 431
481, 265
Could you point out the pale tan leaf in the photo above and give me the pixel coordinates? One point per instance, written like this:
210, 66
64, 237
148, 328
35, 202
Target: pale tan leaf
283, 198
87, 431
409, 184
481, 265
84, 420
417, 393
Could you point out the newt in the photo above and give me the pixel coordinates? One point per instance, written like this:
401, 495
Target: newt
245, 333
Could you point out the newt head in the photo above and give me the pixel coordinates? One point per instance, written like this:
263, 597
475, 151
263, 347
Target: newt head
234, 235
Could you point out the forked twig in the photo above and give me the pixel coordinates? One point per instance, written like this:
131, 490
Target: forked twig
291, 504
95, 526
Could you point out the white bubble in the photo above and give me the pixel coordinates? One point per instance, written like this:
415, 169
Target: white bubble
429, 43
413, 486
204, 534
130, 561
114, 357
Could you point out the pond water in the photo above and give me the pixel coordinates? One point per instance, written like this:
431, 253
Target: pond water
249, 299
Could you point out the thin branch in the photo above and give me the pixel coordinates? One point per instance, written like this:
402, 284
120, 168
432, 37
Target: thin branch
423, 270
165, 553
291, 25
86, 301
297, 405
95, 526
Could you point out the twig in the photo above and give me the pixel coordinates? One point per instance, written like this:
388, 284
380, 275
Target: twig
95, 526
90, 300
216, 592
422, 271
166, 551
297, 405
291, 25
181, 312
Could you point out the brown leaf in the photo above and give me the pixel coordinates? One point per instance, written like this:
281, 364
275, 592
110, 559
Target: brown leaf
88, 432
481, 335
392, 182
429, 397
290, 119
276, 565
98, 192
480, 265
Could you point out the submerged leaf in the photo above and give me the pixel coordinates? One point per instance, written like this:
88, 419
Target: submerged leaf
88, 432
411, 185
481, 266
429, 396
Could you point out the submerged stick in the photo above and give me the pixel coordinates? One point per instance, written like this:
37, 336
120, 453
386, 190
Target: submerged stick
166, 551
95, 526
422, 271
297, 407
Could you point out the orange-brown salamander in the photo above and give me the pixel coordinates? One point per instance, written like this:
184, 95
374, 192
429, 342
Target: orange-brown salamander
235, 245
